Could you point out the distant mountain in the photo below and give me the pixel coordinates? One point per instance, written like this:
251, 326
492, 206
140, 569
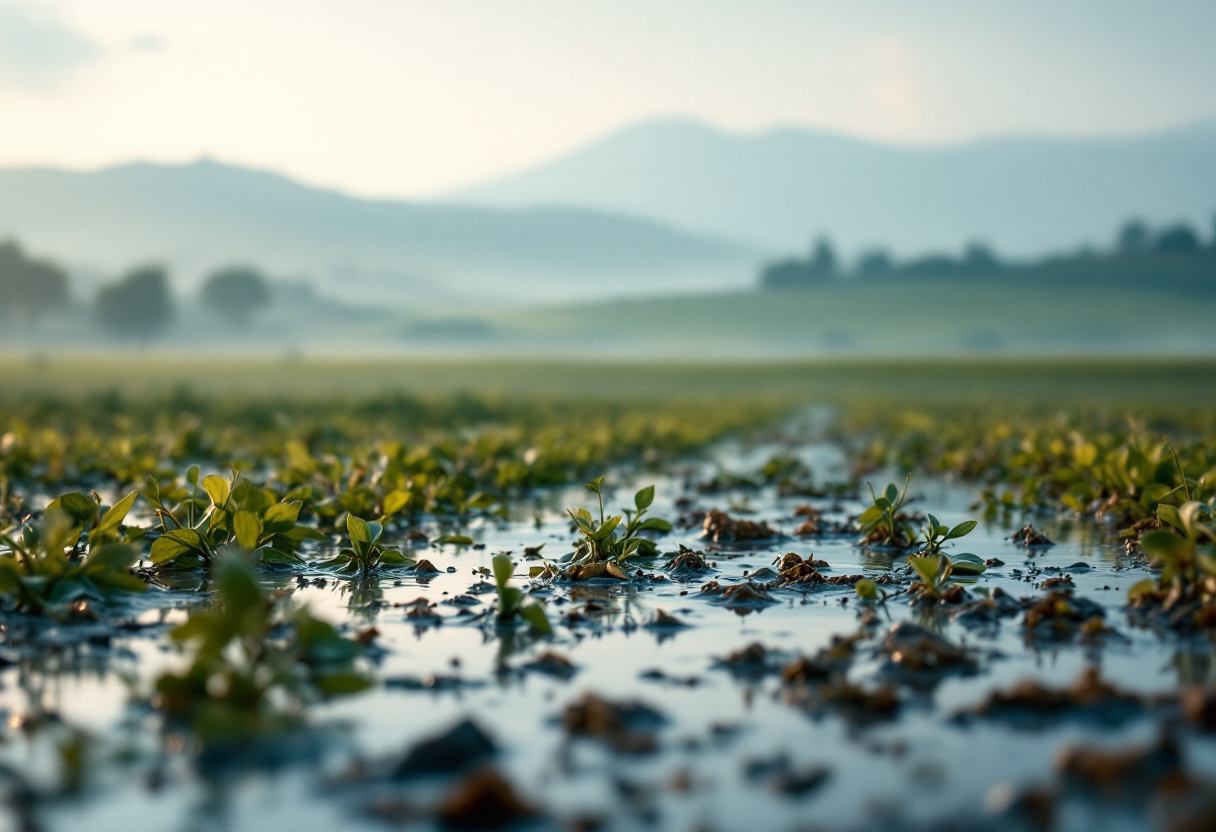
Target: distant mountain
778, 189
199, 216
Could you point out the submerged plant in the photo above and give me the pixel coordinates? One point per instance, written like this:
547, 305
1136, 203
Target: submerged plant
365, 553
239, 513
607, 540
883, 523
511, 599
42, 571
255, 664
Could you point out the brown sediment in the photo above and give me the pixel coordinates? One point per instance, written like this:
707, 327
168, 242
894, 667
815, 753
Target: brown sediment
720, 526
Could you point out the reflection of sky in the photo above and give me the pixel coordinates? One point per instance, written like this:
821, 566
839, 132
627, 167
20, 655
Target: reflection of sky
419, 97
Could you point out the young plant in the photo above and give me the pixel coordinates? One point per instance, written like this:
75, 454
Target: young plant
883, 523
606, 540
934, 535
365, 553
254, 664
88, 521
42, 573
1188, 559
933, 571
239, 513
511, 601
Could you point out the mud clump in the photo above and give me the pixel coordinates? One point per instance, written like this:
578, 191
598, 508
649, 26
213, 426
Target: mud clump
603, 569
989, 610
911, 648
665, 621
552, 664
737, 597
1059, 614
688, 564
830, 661
720, 527
483, 800
1031, 703
850, 700
452, 751
1123, 773
753, 660
1031, 538
797, 571
626, 727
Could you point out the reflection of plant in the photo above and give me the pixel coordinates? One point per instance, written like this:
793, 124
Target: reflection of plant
511, 599
606, 539
883, 522
1188, 559
39, 573
254, 665
365, 552
240, 512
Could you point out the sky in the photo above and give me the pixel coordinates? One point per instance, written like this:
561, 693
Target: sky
413, 98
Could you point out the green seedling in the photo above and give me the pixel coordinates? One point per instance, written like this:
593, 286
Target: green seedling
40, 573
511, 600
935, 534
240, 513
365, 554
88, 521
1187, 554
606, 539
867, 590
255, 664
934, 571
883, 523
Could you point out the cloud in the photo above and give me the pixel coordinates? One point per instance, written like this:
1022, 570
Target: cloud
38, 54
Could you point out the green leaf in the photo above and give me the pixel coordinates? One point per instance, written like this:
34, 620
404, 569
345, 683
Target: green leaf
866, 589
271, 555
456, 539
892, 494
217, 489
965, 563
248, 529
173, 544
392, 557
596, 485
534, 614
961, 529
1169, 514
337, 684
116, 556
654, 524
79, 507
927, 567
1165, 545
281, 516
644, 498
606, 528
503, 568
358, 530
394, 501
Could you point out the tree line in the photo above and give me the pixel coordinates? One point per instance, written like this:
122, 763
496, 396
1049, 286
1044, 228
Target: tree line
1136, 240
138, 305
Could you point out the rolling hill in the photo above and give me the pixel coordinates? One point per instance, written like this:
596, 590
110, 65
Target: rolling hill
199, 216
1025, 196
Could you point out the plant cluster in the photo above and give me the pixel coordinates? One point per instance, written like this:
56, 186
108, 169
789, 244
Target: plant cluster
617, 538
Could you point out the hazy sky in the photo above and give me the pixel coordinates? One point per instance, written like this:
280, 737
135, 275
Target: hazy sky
413, 97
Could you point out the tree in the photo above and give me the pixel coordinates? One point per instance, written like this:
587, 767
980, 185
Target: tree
874, 263
1134, 238
823, 259
137, 306
29, 288
979, 259
1178, 239
235, 293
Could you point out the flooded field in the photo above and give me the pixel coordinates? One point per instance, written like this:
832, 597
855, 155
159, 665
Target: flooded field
733, 688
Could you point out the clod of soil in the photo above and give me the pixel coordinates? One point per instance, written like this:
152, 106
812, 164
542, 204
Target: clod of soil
1089, 697
752, 660
912, 648
796, 571
989, 610
483, 800
454, 750
850, 700
552, 664
587, 571
1059, 614
721, 527
688, 564
425, 567
665, 621
826, 663
1120, 774
1030, 537
627, 727
746, 596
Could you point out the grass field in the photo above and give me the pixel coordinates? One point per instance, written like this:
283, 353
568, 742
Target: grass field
1183, 381
911, 317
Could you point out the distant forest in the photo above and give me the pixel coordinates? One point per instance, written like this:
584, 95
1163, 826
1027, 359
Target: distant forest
1174, 255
